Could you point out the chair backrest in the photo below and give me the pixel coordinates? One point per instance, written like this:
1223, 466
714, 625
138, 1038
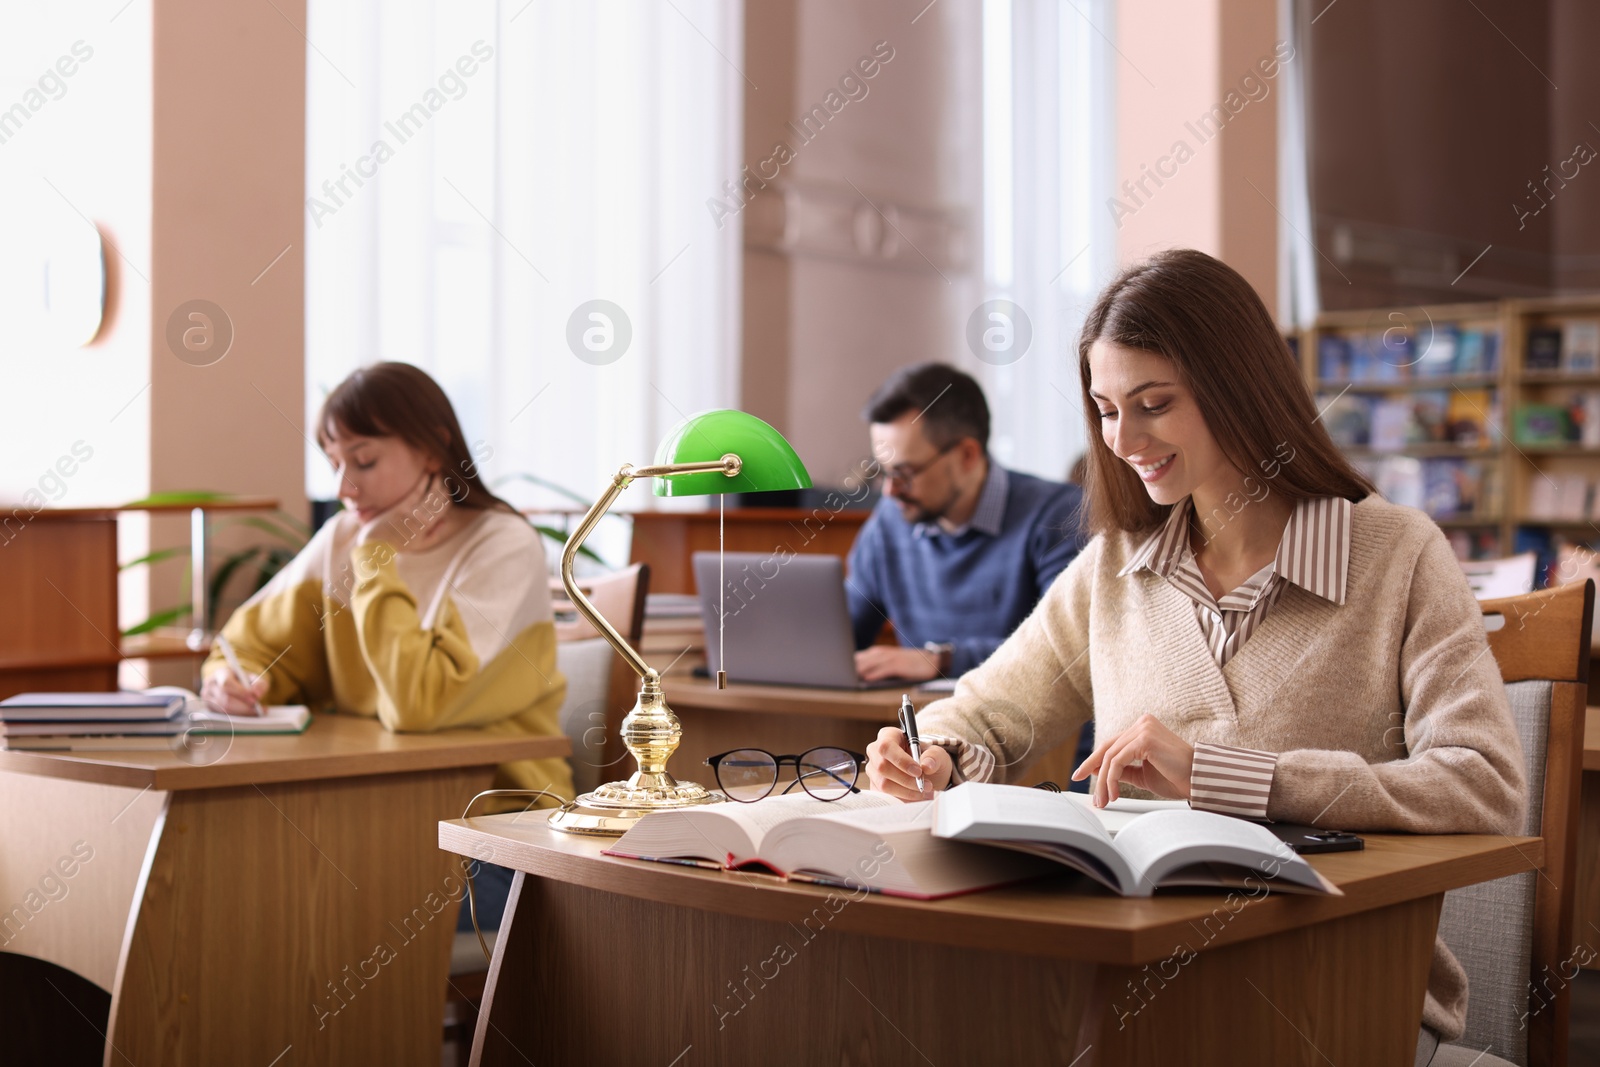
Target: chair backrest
1493, 579
597, 678
1514, 935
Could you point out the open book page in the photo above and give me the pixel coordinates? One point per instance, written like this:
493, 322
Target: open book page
1047, 824
1174, 847
730, 832
1116, 816
891, 850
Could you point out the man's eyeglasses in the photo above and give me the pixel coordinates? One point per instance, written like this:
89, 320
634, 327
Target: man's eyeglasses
748, 774
905, 473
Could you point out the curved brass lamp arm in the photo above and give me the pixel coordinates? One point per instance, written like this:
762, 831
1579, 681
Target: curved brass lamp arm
729, 465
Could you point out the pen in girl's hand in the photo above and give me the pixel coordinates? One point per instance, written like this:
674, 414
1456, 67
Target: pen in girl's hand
908, 723
234, 666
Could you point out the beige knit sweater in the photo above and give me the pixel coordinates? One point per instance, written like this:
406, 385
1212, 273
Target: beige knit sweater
1388, 711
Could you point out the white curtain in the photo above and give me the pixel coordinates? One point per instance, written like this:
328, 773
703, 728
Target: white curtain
476, 171
1299, 299
1048, 241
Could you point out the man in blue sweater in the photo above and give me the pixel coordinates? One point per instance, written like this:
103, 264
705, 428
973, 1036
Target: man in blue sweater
959, 549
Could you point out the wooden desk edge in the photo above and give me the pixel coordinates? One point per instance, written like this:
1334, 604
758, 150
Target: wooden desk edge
998, 930
98, 768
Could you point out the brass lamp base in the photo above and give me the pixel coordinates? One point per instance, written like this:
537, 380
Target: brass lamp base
651, 732
612, 809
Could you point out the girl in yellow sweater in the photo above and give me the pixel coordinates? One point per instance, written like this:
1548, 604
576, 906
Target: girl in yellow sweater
424, 603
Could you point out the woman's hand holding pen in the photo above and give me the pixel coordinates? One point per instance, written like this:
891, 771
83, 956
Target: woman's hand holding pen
1147, 755
891, 769
225, 693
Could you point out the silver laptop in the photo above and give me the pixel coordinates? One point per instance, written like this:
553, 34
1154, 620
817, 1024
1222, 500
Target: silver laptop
786, 622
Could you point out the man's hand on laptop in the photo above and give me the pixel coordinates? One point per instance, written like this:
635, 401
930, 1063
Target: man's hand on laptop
891, 661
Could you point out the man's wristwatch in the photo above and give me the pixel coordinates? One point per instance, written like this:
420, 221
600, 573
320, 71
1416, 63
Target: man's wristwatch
941, 653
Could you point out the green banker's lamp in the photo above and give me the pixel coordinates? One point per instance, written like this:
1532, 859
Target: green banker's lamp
709, 454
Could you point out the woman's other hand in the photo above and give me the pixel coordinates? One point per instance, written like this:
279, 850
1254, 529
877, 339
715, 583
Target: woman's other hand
1147, 755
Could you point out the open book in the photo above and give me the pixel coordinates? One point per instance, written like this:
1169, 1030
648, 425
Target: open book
864, 840
1166, 846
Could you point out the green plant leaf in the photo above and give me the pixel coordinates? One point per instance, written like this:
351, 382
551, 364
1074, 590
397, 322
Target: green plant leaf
560, 538
158, 620
287, 534
158, 556
219, 578
190, 497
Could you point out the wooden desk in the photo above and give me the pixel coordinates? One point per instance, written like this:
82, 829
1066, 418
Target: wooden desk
1050, 971
782, 718
1586, 904
233, 902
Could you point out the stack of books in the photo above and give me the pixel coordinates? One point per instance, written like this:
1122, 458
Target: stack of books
152, 719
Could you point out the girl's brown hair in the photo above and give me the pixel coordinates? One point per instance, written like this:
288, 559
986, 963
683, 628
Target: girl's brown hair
399, 400
1203, 316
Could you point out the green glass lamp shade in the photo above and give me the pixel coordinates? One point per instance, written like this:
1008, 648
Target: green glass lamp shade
769, 462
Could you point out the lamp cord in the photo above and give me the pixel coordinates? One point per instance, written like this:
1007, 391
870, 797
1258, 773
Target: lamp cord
722, 592
472, 895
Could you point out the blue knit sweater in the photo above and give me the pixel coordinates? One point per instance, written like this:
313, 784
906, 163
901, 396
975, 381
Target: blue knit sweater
970, 588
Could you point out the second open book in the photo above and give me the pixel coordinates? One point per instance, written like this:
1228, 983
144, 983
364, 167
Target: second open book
972, 837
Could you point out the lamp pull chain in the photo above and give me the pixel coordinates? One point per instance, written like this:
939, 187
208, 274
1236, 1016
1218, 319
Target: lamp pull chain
722, 592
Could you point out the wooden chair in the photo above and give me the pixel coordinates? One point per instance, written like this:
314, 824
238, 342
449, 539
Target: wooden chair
1514, 935
598, 684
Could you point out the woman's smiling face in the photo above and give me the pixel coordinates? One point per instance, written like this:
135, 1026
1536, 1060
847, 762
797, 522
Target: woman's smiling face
1149, 420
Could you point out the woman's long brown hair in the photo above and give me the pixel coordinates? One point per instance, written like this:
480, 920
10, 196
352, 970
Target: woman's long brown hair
1203, 316
399, 400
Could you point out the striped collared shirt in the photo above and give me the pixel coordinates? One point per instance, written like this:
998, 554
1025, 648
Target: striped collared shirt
1314, 554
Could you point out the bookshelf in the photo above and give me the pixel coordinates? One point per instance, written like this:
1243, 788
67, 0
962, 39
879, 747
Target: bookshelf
1486, 415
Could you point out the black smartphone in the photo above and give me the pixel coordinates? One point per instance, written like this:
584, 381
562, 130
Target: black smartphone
1303, 838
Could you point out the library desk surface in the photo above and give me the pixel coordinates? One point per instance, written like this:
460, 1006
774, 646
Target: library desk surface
789, 718
609, 960
243, 896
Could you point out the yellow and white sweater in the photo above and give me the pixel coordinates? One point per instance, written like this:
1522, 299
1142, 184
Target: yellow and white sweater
458, 634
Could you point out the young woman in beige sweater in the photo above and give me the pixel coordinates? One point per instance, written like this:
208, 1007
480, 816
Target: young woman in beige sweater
1251, 628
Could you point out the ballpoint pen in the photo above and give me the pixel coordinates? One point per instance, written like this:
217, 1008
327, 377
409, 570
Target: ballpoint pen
908, 723
233, 665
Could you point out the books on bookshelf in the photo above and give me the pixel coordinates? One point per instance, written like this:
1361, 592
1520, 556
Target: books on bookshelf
1466, 418
1446, 487
1572, 347
1395, 356
1563, 496
1573, 419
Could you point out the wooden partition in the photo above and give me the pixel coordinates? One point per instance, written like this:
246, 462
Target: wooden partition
668, 540
59, 571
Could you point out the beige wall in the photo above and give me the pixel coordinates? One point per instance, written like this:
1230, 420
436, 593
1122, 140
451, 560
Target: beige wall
229, 178
834, 300
1178, 63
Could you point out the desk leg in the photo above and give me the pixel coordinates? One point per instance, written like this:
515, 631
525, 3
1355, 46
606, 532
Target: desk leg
69, 869
739, 990
1586, 905
316, 916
